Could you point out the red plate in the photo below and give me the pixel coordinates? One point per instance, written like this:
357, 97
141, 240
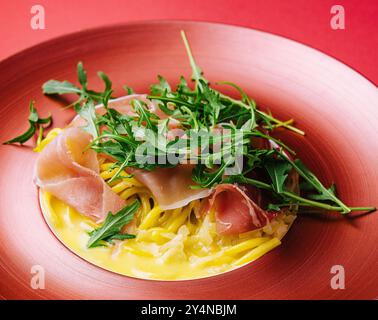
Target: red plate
337, 108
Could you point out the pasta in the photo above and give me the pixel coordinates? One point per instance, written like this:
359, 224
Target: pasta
171, 244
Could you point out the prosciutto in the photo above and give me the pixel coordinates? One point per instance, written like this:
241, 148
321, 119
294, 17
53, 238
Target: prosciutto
235, 211
171, 186
71, 174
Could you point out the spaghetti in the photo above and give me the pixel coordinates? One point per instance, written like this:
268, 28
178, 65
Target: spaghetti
169, 245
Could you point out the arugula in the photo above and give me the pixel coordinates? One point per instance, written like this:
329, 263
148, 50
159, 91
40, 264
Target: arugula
310, 178
60, 87
278, 171
88, 113
112, 227
52, 87
198, 108
161, 87
34, 122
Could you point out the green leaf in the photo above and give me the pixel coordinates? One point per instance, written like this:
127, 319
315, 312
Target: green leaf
82, 75
121, 236
107, 82
33, 115
145, 115
325, 193
215, 105
106, 97
60, 87
183, 86
278, 171
245, 98
33, 120
88, 113
160, 88
47, 120
273, 207
112, 226
128, 90
25, 136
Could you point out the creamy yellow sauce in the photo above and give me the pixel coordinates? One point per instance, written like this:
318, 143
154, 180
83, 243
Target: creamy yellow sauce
146, 257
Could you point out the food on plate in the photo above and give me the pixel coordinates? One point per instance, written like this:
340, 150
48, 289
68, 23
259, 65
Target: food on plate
176, 184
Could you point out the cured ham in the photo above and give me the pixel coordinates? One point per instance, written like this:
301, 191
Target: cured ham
171, 186
72, 175
235, 211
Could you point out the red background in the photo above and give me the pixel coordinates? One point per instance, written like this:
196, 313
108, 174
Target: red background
305, 21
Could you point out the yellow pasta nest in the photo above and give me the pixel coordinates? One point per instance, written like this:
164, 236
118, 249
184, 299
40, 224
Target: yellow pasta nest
169, 245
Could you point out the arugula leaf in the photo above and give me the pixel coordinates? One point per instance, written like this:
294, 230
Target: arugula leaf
82, 75
160, 88
88, 113
273, 207
121, 236
278, 171
59, 87
183, 87
107, 82
245, 98
324, 196
112, 226
33, 120
66, 87
145, 115
325, 193
106, 97
25, 136
214, 104
128, 90
33, 115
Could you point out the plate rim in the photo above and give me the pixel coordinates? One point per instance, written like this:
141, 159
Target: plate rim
82, 32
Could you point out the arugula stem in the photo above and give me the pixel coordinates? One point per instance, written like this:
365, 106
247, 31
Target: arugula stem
261, 113
303, 201
121, 168
314, 181
196, 70
197, 75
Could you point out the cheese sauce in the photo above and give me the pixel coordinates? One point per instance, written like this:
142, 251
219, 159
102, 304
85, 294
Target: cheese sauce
193, 251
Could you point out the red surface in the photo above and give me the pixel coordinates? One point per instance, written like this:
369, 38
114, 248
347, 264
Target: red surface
334, 105
301, 20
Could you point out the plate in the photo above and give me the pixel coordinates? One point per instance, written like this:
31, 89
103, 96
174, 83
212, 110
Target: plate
334, 105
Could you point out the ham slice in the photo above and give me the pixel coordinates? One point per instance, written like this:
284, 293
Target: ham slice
235, 211
171, 186
72, 175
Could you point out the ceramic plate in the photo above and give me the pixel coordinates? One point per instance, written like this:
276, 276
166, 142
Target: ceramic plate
334, 105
